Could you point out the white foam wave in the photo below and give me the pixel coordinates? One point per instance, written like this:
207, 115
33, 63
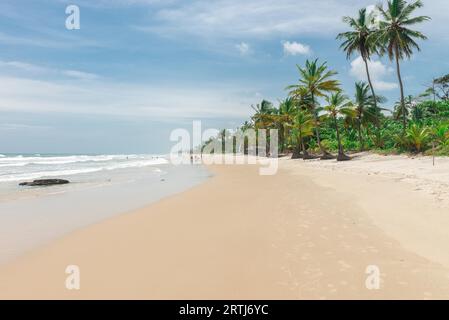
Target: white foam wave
47, 167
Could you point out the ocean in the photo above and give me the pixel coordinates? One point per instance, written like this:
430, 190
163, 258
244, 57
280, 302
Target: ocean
21, 167
101, 186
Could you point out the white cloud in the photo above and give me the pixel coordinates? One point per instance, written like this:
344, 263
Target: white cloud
123, 99
296, 48
243, 48
384, 85
19, 65
80, 74
256, 18
20, 127
28, 69
378, 72
214, 19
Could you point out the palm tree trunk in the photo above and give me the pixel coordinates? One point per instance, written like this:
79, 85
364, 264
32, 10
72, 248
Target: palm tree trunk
317, 129
360, 134
340, 147
223, 144
281, 138
372, 91
305, 154
401, 85
297, 149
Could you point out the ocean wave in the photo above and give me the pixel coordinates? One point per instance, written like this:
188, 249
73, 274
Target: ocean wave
17, 161
69, 159
72, 165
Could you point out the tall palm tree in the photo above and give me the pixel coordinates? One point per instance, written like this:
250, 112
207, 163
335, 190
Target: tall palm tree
317, 79
364, 110
286, 113
396, 39
223, 136
265, 118
338, 104
263, 114
359, 41
242, 130
303, 124
402, 110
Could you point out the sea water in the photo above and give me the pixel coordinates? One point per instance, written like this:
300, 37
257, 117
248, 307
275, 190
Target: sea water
101, 186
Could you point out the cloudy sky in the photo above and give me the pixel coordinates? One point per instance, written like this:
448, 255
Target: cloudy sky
137, 69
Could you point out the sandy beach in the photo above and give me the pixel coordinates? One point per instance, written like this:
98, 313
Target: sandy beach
308, 232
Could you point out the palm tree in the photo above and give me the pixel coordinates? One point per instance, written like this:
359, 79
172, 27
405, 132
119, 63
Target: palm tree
402, 110
364, 109
358, 40
242, 130
263, 114
286, 113
338, 104
265, 118
303, 124
396, 39
223, 136
317, 80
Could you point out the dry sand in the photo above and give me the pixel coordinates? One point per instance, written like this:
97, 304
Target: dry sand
308, 232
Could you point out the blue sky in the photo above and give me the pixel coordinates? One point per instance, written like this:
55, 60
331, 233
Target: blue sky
139, 68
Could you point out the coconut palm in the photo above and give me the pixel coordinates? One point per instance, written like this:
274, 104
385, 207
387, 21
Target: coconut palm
338, 104
402, 110
303, 124
358, 41
286, 113
223, 135
364, 109
396, 39
317, 79
265, 117
263, 114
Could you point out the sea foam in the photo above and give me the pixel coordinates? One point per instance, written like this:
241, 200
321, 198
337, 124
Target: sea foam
20, 167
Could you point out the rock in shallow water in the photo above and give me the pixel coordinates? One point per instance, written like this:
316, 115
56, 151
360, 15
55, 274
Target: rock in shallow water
44, 182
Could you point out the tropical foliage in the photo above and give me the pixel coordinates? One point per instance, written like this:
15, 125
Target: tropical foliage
317, 118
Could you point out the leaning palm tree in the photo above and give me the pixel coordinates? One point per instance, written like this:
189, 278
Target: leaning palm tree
396, 39
338, 104
358, 40
317, 79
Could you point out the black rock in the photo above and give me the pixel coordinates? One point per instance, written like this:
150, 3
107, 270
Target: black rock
44, 182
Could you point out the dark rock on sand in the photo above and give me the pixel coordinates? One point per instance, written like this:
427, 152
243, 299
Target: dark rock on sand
44, 182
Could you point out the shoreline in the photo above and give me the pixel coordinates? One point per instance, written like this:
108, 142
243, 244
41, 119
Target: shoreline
43, 215
227, 239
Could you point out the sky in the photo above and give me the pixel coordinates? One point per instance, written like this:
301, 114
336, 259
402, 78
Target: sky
138, 69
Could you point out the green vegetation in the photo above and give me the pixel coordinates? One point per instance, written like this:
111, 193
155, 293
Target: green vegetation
318, 119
